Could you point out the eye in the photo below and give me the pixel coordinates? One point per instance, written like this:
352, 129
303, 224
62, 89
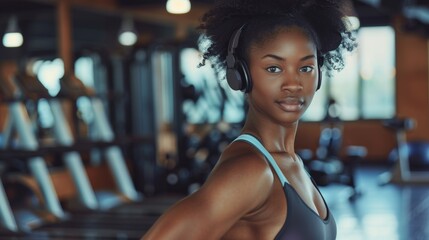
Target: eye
306, 69
273, 69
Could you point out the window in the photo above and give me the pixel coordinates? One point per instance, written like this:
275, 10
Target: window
84, 71
50, 72
377, 72
365, 88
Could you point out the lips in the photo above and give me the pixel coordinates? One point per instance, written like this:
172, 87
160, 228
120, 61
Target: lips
291, 104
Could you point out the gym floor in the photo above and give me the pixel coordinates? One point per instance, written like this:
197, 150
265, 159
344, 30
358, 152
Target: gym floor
381, 212
393, 212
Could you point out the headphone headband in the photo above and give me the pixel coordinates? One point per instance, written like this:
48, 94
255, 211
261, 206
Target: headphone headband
232, 45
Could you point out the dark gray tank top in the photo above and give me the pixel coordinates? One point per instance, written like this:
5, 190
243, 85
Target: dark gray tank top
302, 223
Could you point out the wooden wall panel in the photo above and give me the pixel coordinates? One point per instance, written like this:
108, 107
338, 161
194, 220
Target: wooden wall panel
412, 81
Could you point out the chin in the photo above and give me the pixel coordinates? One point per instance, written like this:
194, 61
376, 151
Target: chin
291, 118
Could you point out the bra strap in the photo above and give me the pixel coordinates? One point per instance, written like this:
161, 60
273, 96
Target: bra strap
255, 142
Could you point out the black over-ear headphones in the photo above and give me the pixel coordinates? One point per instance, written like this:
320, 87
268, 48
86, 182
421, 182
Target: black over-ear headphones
237, 72
320, 60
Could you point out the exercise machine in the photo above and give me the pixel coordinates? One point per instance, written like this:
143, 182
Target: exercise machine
71, 89
401, 173
328, 167
18, 121
80, 224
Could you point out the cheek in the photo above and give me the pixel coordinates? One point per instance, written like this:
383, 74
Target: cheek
309, 96
264, 83
311, 82
265, 88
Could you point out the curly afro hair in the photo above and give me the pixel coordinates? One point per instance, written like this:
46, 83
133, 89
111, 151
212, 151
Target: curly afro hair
322, 20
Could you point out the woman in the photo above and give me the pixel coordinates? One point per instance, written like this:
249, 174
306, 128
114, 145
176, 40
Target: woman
272, 50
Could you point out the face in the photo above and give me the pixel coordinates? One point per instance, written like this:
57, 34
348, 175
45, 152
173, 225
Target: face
284, 75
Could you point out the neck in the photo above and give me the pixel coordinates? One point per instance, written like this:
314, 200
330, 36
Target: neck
275, 137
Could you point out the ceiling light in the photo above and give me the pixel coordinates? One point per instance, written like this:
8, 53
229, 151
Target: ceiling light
12, 37
178, 6
127, 33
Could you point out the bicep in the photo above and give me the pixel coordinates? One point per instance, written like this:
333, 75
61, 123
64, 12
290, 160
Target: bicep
187, 219
230, 192
193, 218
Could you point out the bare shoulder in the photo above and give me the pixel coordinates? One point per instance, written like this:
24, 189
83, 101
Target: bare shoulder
242, 169
245, 157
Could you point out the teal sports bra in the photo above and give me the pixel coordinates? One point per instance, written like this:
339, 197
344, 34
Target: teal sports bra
302, 223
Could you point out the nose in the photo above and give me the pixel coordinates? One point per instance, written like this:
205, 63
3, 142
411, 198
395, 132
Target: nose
291, 82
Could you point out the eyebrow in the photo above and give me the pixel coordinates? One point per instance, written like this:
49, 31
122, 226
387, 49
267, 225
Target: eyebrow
282, 59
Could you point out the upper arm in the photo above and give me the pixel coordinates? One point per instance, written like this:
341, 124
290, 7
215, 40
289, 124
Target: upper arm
235, 187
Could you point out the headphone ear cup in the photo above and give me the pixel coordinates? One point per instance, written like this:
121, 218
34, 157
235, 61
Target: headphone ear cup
245, 76
234, 79
319, 80
320, 61
238, 77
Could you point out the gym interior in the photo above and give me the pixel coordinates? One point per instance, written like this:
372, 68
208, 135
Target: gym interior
106, 120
